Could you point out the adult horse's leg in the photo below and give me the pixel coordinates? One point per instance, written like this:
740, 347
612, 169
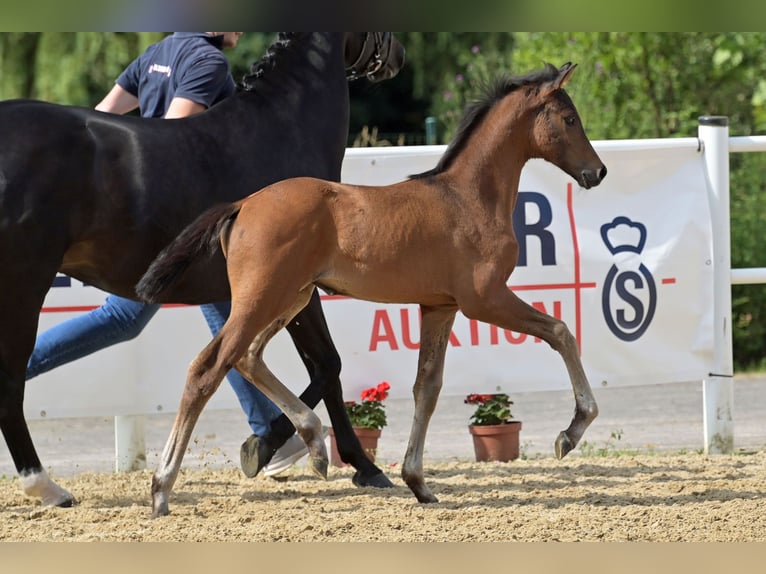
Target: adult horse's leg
434, 336
240, 342
312, 339
504, 309
20, 308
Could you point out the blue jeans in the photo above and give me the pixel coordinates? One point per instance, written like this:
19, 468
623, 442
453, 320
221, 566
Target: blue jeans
120, 319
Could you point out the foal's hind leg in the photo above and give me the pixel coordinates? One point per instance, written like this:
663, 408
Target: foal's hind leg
203, 378
434, 336
504, 309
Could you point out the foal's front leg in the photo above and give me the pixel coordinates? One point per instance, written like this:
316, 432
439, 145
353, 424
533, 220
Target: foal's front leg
504, 309
434, 336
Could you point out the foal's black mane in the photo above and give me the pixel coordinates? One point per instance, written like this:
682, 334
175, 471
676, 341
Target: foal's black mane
274, 59
474, 113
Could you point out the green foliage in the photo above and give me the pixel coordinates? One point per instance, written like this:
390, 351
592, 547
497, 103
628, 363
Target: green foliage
449, 68
642, 85
748, 217
67, 67
367, 414
492, 409
476, 69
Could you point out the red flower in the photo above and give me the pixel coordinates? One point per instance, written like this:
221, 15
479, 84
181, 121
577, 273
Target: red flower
477, 399
378, 393
370, 413
382, 390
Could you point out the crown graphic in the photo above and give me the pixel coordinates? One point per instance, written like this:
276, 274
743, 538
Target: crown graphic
622, 235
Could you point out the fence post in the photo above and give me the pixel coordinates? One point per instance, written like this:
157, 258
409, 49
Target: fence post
718, 387
430, 130
129, 443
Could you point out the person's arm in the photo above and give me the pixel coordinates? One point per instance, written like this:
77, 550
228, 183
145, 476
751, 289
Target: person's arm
183, 107
197, 89
118, 101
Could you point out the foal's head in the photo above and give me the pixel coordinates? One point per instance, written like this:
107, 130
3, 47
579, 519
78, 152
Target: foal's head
550, 125
557, 134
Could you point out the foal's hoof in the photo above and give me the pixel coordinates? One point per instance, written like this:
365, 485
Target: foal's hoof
54, 495
378, 480
67, 503
426, 497
319, 467
563, 445
160, 509
420, 490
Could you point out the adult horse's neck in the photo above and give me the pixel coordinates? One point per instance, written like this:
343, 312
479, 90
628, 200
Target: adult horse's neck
294, 54
489, 164
296, 94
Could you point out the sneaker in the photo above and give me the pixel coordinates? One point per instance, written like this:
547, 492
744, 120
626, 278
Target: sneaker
288, 454
250, 454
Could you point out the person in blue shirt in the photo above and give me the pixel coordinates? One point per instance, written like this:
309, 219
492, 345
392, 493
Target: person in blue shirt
182, 75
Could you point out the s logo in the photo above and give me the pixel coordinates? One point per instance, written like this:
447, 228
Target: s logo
629, 296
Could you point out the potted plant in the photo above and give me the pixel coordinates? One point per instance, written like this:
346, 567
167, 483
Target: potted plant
368, 418
495, 433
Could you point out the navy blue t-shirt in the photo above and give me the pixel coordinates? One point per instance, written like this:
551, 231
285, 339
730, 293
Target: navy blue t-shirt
189, 65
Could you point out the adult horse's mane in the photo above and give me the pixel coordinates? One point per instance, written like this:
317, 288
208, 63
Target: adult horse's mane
474, 113
275, 58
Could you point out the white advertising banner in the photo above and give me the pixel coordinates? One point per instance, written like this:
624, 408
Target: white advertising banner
627, 266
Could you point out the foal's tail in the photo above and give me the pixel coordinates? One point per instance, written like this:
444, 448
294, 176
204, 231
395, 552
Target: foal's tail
201, 235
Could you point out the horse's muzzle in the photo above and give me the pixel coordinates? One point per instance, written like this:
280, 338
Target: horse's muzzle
591, 178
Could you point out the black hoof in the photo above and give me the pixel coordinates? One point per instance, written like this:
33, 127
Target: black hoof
378, 480
68, 503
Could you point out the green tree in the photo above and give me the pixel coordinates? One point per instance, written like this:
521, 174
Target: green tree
66, 67
633, 85
446, 73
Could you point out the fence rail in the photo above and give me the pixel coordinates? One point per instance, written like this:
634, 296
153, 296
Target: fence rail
748, 144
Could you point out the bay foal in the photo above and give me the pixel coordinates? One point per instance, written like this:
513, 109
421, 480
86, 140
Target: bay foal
443, 239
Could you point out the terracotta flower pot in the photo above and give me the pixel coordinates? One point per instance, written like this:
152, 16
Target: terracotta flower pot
496, 442
368, 438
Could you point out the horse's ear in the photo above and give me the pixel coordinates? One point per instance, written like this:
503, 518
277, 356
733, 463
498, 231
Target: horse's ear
559, 81
565, 72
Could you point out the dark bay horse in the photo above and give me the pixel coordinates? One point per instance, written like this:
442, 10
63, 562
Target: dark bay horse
443, 239
97, 196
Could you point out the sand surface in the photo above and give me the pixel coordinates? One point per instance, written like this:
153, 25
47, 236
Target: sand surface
659, 497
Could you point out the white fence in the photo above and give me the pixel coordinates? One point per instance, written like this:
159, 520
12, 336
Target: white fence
146, 375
